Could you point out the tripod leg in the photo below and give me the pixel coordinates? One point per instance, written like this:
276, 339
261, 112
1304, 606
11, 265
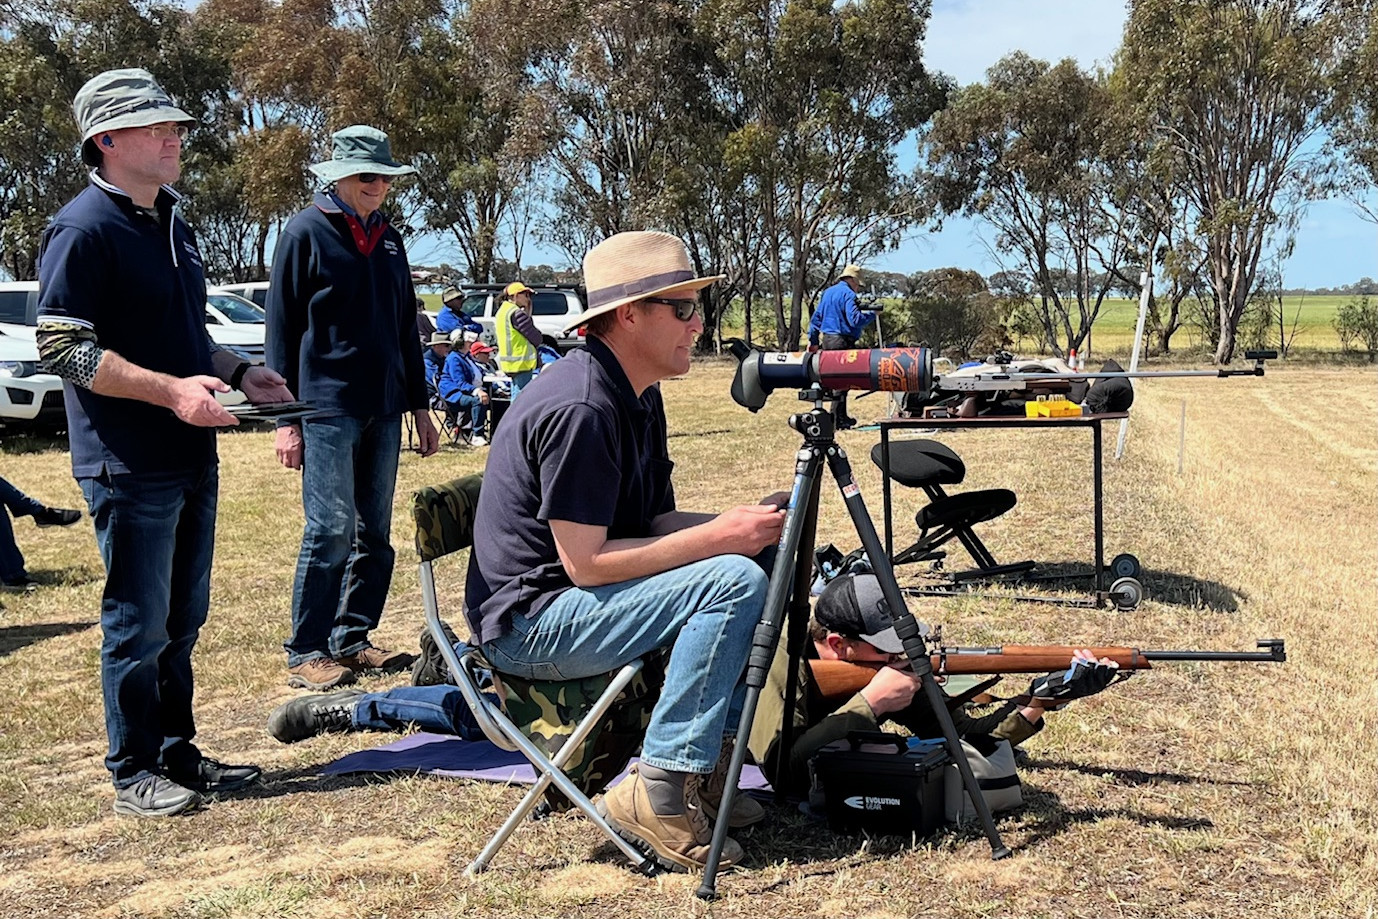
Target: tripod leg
802, 513
908, 631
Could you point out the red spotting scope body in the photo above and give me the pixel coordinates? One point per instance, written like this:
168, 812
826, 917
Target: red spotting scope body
886, 369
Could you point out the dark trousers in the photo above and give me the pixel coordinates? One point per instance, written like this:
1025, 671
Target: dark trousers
156, 534
19, 505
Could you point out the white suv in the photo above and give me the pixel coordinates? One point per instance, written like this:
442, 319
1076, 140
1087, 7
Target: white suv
254, 291
26, 395
552, 308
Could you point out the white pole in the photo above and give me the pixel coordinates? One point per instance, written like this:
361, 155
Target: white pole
1182, 437
1145, 291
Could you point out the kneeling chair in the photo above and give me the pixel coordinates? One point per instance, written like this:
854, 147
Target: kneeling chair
578, 735
929, 465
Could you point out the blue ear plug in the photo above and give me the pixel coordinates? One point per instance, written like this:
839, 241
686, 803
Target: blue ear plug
107, 141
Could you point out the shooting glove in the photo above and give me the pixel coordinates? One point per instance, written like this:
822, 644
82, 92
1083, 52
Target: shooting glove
1082, 679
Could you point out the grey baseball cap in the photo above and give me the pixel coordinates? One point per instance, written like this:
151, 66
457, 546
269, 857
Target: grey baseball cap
128, 98
853, 605
358, 149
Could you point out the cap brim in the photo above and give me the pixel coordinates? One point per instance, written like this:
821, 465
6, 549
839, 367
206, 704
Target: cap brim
690, 286
334, 170
140, 119
887, 641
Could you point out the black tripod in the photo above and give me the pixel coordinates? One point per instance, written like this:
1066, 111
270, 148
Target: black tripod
790, 578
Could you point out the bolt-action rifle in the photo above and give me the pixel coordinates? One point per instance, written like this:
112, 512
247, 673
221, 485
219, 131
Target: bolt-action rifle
910, 370
843, 679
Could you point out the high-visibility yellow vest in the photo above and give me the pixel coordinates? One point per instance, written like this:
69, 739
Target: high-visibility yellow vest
515, 352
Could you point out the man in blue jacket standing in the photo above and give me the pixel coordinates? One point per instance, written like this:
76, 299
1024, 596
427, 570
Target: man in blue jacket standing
342, 331
837, 323
122, 319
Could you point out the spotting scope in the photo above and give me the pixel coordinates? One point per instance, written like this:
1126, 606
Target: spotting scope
759, 373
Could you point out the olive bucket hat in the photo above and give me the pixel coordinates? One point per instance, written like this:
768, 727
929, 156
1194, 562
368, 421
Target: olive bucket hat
358, 149
117, 99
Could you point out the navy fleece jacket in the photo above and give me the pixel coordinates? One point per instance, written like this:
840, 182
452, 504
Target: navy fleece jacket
342, 323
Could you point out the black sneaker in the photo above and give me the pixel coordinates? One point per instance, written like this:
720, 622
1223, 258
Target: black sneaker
155, 796
21, 585
308, 716
429, 668
214, 777
55, 517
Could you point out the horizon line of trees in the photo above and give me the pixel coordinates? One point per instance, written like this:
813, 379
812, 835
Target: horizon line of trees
765, 134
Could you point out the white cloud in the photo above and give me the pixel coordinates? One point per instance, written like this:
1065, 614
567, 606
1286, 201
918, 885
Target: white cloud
967, 36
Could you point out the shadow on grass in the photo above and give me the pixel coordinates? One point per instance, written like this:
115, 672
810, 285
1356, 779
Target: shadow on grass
1072, 580
1129, 776
16, 441
14, 637
1045, 817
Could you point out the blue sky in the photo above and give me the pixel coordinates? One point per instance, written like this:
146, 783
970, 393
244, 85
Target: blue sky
1334, 245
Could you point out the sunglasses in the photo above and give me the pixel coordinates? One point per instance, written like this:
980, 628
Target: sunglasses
368, 178
684, 309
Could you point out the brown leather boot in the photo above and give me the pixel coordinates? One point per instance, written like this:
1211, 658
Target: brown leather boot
746, 810
320, 674
376, 660
679, 840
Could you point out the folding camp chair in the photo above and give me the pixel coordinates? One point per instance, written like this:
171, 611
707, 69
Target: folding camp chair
929, 465
444, 516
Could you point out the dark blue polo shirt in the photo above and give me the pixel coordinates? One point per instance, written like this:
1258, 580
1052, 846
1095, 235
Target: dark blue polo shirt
578, 446
137, 282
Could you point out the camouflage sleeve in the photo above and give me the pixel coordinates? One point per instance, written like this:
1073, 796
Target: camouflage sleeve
70, 350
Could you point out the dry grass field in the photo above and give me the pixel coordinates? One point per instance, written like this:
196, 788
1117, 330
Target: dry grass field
1211, 790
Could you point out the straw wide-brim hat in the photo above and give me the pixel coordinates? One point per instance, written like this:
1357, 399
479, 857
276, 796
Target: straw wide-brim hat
358, 149
632, 266
851, 271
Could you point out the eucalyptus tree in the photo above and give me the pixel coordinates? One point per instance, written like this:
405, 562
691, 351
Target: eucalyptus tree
1235, 92
1034, 153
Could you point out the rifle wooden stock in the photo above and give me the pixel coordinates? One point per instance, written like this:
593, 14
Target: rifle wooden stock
842, 679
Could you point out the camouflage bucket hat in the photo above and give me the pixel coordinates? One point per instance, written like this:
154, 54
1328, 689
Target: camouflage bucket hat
118, 99
358, 149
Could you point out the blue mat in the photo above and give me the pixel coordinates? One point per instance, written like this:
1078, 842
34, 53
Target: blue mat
443, 754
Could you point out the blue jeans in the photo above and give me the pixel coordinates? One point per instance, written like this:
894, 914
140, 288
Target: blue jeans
20, 505
349, 473
438, 709
704, 612
520, 380
478, 411
156, 534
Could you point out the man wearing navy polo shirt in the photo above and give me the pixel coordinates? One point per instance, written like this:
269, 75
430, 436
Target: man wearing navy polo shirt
584, 563
342, 331
121, 318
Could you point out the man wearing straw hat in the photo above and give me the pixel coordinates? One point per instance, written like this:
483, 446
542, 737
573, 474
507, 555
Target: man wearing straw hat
342, 330
121, 318
836, 325
587, 564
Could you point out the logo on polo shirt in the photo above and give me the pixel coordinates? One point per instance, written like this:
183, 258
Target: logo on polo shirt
390, 246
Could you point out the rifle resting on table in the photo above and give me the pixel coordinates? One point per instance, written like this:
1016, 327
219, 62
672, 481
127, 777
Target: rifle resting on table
842, 679
910, 370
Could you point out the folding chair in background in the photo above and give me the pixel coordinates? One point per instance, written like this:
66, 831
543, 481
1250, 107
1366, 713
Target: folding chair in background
929, 465
576, 734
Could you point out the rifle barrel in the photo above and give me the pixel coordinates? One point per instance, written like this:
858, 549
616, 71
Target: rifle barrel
1273, 649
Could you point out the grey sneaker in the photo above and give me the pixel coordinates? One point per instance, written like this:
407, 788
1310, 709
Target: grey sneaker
311, 715
155, 796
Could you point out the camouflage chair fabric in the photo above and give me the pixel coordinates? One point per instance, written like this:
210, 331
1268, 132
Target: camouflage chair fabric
546, 711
